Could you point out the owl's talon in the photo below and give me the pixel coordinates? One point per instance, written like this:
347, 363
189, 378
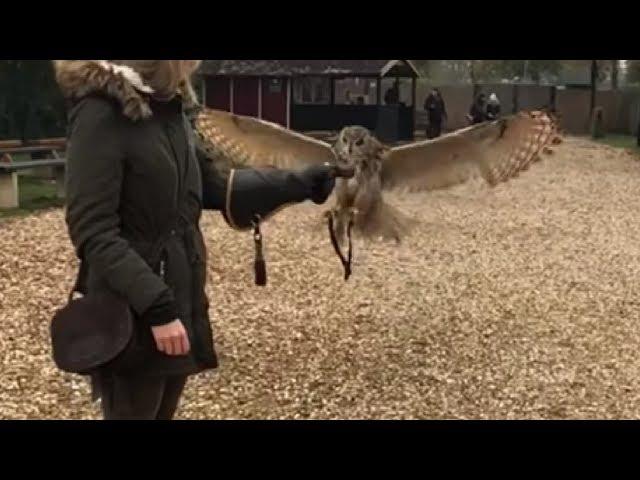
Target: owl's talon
333, 216
331, 213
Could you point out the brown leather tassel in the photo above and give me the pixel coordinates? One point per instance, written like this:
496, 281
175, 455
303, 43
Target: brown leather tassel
261, 272
259, 264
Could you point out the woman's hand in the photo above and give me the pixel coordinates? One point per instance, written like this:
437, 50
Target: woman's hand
171, 338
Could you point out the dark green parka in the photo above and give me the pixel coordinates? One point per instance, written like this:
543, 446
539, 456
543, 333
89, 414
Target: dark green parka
136, 184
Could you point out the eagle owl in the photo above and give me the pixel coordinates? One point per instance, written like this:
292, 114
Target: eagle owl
496, 151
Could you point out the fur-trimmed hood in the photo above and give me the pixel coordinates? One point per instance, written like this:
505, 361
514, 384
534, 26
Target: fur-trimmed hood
78, 78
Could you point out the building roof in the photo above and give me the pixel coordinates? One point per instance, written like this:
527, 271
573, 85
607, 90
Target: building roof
403, 68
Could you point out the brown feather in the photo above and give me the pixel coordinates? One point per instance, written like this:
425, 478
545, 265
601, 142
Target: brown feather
248, 141
497, 151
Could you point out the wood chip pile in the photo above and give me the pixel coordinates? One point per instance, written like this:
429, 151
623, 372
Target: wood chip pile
516, 302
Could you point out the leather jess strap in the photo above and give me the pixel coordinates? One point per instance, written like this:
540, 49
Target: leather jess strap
346, 262
259, 264
341, 172
260, 269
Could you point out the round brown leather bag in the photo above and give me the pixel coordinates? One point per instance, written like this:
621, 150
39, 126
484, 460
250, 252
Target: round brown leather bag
93, 332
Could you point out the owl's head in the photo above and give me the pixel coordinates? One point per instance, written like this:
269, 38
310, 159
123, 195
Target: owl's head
356, 148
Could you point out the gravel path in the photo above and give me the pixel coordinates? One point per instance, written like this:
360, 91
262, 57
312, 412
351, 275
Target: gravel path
516, 302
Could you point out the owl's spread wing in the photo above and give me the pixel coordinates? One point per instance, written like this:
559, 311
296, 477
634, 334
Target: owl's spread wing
248, 141
497, 151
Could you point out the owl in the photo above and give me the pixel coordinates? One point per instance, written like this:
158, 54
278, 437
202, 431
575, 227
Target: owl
495, 151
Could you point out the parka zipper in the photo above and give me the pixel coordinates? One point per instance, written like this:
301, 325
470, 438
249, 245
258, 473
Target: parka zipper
162, 269
167, 129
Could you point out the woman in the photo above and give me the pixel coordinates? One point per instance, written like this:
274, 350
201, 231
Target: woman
137, 182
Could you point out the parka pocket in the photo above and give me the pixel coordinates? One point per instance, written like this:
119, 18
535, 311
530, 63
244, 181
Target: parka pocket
151, 252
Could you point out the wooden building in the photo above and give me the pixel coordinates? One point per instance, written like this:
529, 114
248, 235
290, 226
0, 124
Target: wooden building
316, 95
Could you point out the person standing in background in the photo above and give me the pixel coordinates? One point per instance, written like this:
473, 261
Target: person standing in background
348, 99
493, 107
436, 113
392, 96
477, 111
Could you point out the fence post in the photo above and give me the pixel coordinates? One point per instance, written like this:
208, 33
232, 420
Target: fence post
8, 190
594, 84
60, 176
597, 120
638, 128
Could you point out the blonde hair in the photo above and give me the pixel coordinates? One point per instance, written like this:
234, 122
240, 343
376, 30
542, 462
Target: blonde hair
165, 77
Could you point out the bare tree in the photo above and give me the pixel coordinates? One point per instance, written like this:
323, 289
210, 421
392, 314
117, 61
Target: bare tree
594, 83
615, 65
472, 71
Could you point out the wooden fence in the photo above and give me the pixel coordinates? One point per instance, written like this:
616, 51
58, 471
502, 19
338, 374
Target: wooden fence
621, 108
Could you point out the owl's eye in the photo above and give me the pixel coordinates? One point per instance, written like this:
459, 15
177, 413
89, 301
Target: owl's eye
359, 142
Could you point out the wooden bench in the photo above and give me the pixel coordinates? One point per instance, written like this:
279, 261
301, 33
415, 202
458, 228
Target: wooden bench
7, 152
50, 146
9, 168
59, 142
9, 197
10, 143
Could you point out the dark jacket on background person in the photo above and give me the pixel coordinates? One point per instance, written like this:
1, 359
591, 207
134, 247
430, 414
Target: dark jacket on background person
392, 95
436, 112
493, 111
435, 107
135, 191
477, 111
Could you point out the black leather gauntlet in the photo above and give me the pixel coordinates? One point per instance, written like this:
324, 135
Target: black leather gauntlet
262, 192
